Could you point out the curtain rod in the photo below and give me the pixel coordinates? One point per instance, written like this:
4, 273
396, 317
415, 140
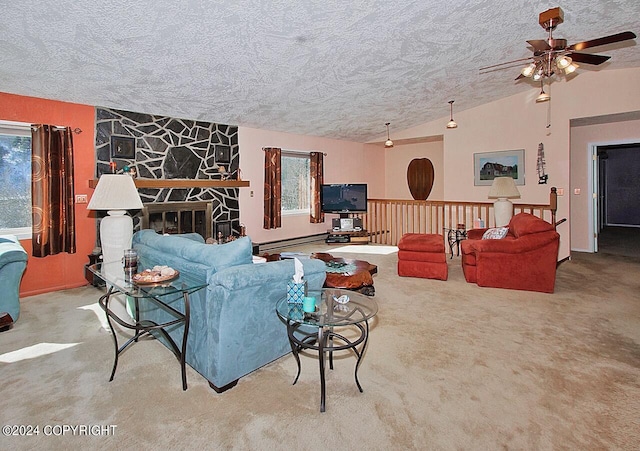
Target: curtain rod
76, 130
303, 152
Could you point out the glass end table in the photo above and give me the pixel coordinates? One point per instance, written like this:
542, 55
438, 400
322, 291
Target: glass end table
317, 330
171, 296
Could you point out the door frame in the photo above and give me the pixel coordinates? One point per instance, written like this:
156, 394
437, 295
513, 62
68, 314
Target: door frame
594, 187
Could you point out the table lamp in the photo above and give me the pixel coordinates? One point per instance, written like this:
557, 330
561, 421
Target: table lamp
115, 193
503, 189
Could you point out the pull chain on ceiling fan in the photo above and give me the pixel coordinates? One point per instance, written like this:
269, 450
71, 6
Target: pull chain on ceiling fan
553, 56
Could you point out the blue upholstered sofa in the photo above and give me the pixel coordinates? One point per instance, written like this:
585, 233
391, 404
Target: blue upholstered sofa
13, 261
234, 328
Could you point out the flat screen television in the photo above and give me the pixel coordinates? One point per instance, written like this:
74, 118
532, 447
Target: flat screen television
344, 198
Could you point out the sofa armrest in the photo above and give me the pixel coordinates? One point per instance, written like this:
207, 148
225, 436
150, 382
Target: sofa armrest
476, 234
241, 330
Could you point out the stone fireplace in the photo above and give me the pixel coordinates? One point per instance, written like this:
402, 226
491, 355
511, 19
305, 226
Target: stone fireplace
165, 148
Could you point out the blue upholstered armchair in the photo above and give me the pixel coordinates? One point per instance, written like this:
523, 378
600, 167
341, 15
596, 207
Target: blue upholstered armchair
13, 261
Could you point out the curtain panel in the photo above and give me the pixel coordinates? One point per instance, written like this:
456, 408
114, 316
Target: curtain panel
272, 187
52, 190
317, 179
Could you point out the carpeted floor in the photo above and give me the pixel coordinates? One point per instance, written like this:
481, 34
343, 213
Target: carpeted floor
449, 366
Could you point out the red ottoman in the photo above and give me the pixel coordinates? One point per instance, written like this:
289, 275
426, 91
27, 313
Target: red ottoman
422, 255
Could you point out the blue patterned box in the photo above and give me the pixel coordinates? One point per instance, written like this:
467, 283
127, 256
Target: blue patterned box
295, 312
296, 292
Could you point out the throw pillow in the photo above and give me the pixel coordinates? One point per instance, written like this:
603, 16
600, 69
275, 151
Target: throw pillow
496, 233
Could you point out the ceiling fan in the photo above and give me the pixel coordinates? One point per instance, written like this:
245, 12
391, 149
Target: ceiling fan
553, 56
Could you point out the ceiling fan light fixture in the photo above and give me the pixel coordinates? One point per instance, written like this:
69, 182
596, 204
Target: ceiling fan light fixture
563, 61
388, 143
571, 68
528, 70
451, 123
538, 74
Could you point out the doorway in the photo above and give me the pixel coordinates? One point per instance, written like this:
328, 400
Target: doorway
616, 200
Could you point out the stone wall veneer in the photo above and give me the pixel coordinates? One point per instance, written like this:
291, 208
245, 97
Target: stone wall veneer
170, 148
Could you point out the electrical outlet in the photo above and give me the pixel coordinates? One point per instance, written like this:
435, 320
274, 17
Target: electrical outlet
576, 191
251, 194
81, 198
560, 191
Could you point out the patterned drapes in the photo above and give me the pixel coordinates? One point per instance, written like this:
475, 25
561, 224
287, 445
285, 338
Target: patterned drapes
317, 178
272, 187
52, 191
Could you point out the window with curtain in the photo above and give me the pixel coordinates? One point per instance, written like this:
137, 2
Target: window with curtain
296, 188
15, 179
292, 185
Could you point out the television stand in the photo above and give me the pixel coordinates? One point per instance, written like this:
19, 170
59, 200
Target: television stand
347, 237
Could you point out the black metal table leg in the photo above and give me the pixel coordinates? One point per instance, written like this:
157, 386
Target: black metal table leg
183, 352
322, 339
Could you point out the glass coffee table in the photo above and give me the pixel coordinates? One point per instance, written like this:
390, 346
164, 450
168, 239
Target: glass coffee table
324, 330
171, 297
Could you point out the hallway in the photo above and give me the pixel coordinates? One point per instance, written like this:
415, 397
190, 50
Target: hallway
624, 241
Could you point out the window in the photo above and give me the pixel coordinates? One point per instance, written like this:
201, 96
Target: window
296, 188
15, 178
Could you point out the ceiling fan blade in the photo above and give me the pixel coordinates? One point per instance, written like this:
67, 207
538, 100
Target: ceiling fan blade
624, 36
504, 65
539, 45
588, 58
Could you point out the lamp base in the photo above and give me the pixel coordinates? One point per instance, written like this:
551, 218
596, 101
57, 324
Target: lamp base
116, 232
503, 211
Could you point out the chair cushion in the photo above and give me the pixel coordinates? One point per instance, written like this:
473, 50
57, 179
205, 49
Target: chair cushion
526, 223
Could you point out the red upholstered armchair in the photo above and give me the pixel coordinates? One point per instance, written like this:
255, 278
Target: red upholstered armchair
524, 260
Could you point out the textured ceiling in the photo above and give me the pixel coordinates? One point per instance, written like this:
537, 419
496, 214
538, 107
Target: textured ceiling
329, 68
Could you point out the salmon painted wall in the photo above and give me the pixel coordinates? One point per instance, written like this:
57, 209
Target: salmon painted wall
57, 272
345, 162
517, 122
582, 138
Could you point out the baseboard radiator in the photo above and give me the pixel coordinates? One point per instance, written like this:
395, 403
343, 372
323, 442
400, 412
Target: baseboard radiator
275, 245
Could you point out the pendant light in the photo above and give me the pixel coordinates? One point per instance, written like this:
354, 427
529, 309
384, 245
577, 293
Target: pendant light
543, 96
451, 123
388, 144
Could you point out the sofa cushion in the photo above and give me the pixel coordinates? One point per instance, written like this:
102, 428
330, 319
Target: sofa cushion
496, 233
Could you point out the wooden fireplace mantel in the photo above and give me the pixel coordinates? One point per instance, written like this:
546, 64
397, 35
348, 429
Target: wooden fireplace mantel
183, 183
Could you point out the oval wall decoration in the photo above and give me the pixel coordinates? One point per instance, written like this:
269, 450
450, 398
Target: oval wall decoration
420, 174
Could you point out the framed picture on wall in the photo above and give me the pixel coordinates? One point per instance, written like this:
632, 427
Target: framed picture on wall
123, 147
489, 165
223, 154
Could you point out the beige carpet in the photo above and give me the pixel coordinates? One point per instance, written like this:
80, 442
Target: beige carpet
449, 366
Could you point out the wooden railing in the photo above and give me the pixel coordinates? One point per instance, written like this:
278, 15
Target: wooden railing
387, 220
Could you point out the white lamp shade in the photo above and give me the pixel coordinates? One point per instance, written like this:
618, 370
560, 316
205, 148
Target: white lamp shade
115, 192
504, 188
